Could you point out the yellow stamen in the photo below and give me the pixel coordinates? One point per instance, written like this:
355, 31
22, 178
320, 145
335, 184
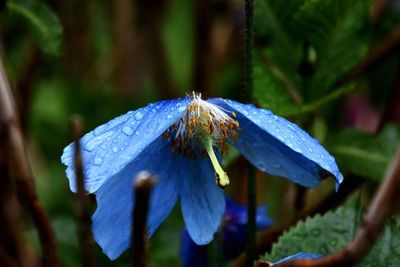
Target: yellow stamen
221, 178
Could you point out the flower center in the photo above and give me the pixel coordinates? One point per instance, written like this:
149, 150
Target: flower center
203, 127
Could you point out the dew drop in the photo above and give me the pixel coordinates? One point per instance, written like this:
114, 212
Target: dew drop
127, 130
316, 232
98, 160
100, 129
138, 115
115, 149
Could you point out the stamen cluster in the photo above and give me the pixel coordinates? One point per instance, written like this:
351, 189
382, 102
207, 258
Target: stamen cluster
202, 121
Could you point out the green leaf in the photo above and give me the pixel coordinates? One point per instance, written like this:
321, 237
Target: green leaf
270, 91
273, 92
337, 31
365, 154
273, 21
43, 23
333, 231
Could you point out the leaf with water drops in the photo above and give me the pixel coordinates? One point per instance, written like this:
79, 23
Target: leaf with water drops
329, 233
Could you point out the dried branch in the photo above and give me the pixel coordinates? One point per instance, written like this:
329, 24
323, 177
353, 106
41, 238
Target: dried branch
150, 16
140, 247
11, 242
379, 211
19, 167
376, 53
82, 203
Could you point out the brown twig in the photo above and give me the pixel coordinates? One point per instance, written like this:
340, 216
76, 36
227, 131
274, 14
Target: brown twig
140, 248
6, 259
150, 17
11, 247
82, 203
19, 167
378, 9
379, 211
376, 53
203, 19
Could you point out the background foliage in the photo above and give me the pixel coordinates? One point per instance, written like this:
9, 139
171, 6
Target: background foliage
312, 65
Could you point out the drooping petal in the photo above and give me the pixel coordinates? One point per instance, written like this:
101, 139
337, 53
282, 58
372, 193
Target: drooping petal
110, 147
112, 219
202, 201
280, 147
299, 256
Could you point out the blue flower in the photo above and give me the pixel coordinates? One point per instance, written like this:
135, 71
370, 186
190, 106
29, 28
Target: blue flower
181, 142
233, 233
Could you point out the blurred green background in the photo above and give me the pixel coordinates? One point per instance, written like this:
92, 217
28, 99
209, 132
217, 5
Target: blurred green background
331, 66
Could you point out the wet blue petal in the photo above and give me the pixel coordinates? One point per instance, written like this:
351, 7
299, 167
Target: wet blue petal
280, 147
112, 219
233, 233
202, 202
299, 256
110, 147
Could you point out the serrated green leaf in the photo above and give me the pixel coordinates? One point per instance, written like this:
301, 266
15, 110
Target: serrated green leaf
333, 231
336, 29
320, 234
365, 154
43, 23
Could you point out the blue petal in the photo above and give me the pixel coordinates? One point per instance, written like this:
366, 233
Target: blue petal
110, 147
112, 219
299, 256
202, 201
280, 147
236, 214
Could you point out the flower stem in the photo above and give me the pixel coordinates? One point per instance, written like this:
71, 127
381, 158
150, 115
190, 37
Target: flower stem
251, 193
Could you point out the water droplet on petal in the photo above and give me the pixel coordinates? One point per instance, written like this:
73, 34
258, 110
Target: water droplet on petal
98, 160
115, 149
138, 115
127, 130
100, 129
